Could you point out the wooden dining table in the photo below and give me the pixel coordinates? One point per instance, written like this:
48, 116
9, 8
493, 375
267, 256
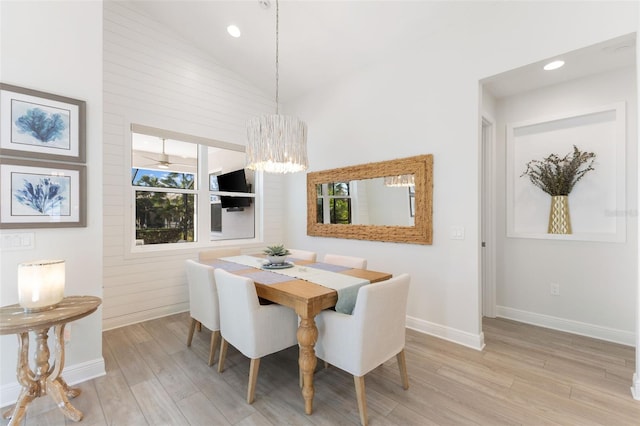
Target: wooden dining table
307, 299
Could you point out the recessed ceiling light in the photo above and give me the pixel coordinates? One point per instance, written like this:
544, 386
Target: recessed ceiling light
234, 31
553, 65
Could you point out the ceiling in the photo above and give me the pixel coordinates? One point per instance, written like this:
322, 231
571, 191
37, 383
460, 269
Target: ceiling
598, 58
323, 40
319, 40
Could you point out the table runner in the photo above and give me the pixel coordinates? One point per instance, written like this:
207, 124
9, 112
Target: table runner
227, 266
346, 286
267, 277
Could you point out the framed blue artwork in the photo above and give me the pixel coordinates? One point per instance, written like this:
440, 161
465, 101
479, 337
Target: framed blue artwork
40, 125
40, 194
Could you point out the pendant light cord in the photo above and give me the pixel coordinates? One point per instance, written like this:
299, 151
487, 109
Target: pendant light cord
277, 43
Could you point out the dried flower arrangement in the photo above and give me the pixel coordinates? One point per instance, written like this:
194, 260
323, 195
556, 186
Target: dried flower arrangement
556, 175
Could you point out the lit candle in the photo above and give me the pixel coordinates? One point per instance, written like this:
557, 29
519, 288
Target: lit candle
40, 284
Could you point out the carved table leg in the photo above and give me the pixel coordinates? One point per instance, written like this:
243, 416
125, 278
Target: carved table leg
56, 386
45, 379
30, 387
307, 337
56, 389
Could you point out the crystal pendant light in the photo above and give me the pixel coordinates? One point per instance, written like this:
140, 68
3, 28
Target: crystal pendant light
277, 143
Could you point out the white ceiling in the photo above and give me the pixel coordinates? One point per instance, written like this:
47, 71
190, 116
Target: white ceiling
319, 40
322, 40
606, 56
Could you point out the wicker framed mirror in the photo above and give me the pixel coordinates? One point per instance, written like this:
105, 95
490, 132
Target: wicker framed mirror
355, 181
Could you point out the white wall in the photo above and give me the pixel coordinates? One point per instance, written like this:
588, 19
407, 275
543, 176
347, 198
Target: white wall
425, 99
153, 78
596, 279
41, 49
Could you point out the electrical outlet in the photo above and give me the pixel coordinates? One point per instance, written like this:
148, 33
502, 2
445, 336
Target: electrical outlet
555, 289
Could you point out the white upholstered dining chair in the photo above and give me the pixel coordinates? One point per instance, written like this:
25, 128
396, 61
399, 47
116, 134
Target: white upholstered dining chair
212, 254
255, 330
302, 255
203, 303
373, 334
347, 261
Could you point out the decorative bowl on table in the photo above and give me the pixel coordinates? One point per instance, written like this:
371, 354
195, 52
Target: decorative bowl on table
276, 260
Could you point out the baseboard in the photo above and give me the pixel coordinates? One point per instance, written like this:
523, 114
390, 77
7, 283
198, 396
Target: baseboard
136, 317
473, 341
635, 387
73, 374
561, 324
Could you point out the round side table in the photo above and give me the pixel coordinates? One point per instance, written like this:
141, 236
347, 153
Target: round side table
44, 379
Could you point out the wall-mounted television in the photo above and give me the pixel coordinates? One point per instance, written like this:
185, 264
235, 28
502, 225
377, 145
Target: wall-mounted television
235, 181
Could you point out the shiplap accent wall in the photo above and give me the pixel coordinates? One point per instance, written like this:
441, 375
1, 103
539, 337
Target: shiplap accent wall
153, 78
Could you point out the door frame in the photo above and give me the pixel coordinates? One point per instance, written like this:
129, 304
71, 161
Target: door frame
488, 216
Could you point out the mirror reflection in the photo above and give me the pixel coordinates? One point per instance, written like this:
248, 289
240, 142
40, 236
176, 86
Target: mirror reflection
388, 200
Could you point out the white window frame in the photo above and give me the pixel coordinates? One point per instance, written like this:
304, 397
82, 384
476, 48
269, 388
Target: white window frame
202, 219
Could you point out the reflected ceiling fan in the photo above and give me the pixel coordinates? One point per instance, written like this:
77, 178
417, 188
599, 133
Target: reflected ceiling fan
163, 161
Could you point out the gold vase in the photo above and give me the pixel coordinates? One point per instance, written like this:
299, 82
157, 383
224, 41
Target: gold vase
559, 220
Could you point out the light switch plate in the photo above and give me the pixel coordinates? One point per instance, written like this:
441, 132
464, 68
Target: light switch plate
457, 232
17, 241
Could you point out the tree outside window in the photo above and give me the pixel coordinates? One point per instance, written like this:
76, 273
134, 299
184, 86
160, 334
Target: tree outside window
165, 206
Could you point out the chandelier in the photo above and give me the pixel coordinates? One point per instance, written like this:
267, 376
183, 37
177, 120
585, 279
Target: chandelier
400, 180
277, 143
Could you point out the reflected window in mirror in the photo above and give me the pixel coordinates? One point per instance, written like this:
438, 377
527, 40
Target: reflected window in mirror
334, 202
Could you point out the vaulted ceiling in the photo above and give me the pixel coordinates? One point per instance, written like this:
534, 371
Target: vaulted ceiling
322, 40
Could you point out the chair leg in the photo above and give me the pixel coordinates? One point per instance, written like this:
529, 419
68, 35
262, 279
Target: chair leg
402, 364
213, 346
253, 378
223, 354
199, 326
362, 399
192, 327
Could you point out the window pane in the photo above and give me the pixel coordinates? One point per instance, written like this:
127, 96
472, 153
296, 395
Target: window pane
231, 217
339, 189
163, 217
320, 211
340, 210
162, 179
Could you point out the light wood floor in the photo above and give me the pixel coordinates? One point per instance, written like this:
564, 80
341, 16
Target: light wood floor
525, 376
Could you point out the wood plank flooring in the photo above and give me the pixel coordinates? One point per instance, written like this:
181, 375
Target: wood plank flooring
525, 376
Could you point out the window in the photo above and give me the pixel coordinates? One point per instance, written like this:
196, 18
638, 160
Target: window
176, 198
334, 203
232, 204
165, 206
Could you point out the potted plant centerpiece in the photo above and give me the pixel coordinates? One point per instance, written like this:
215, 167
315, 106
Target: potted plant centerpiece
276, 254
557, 176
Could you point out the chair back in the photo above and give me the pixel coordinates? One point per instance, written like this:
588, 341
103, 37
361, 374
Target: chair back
303, 255
347, 261
238, 307
380, 320
207, 255
203, 296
